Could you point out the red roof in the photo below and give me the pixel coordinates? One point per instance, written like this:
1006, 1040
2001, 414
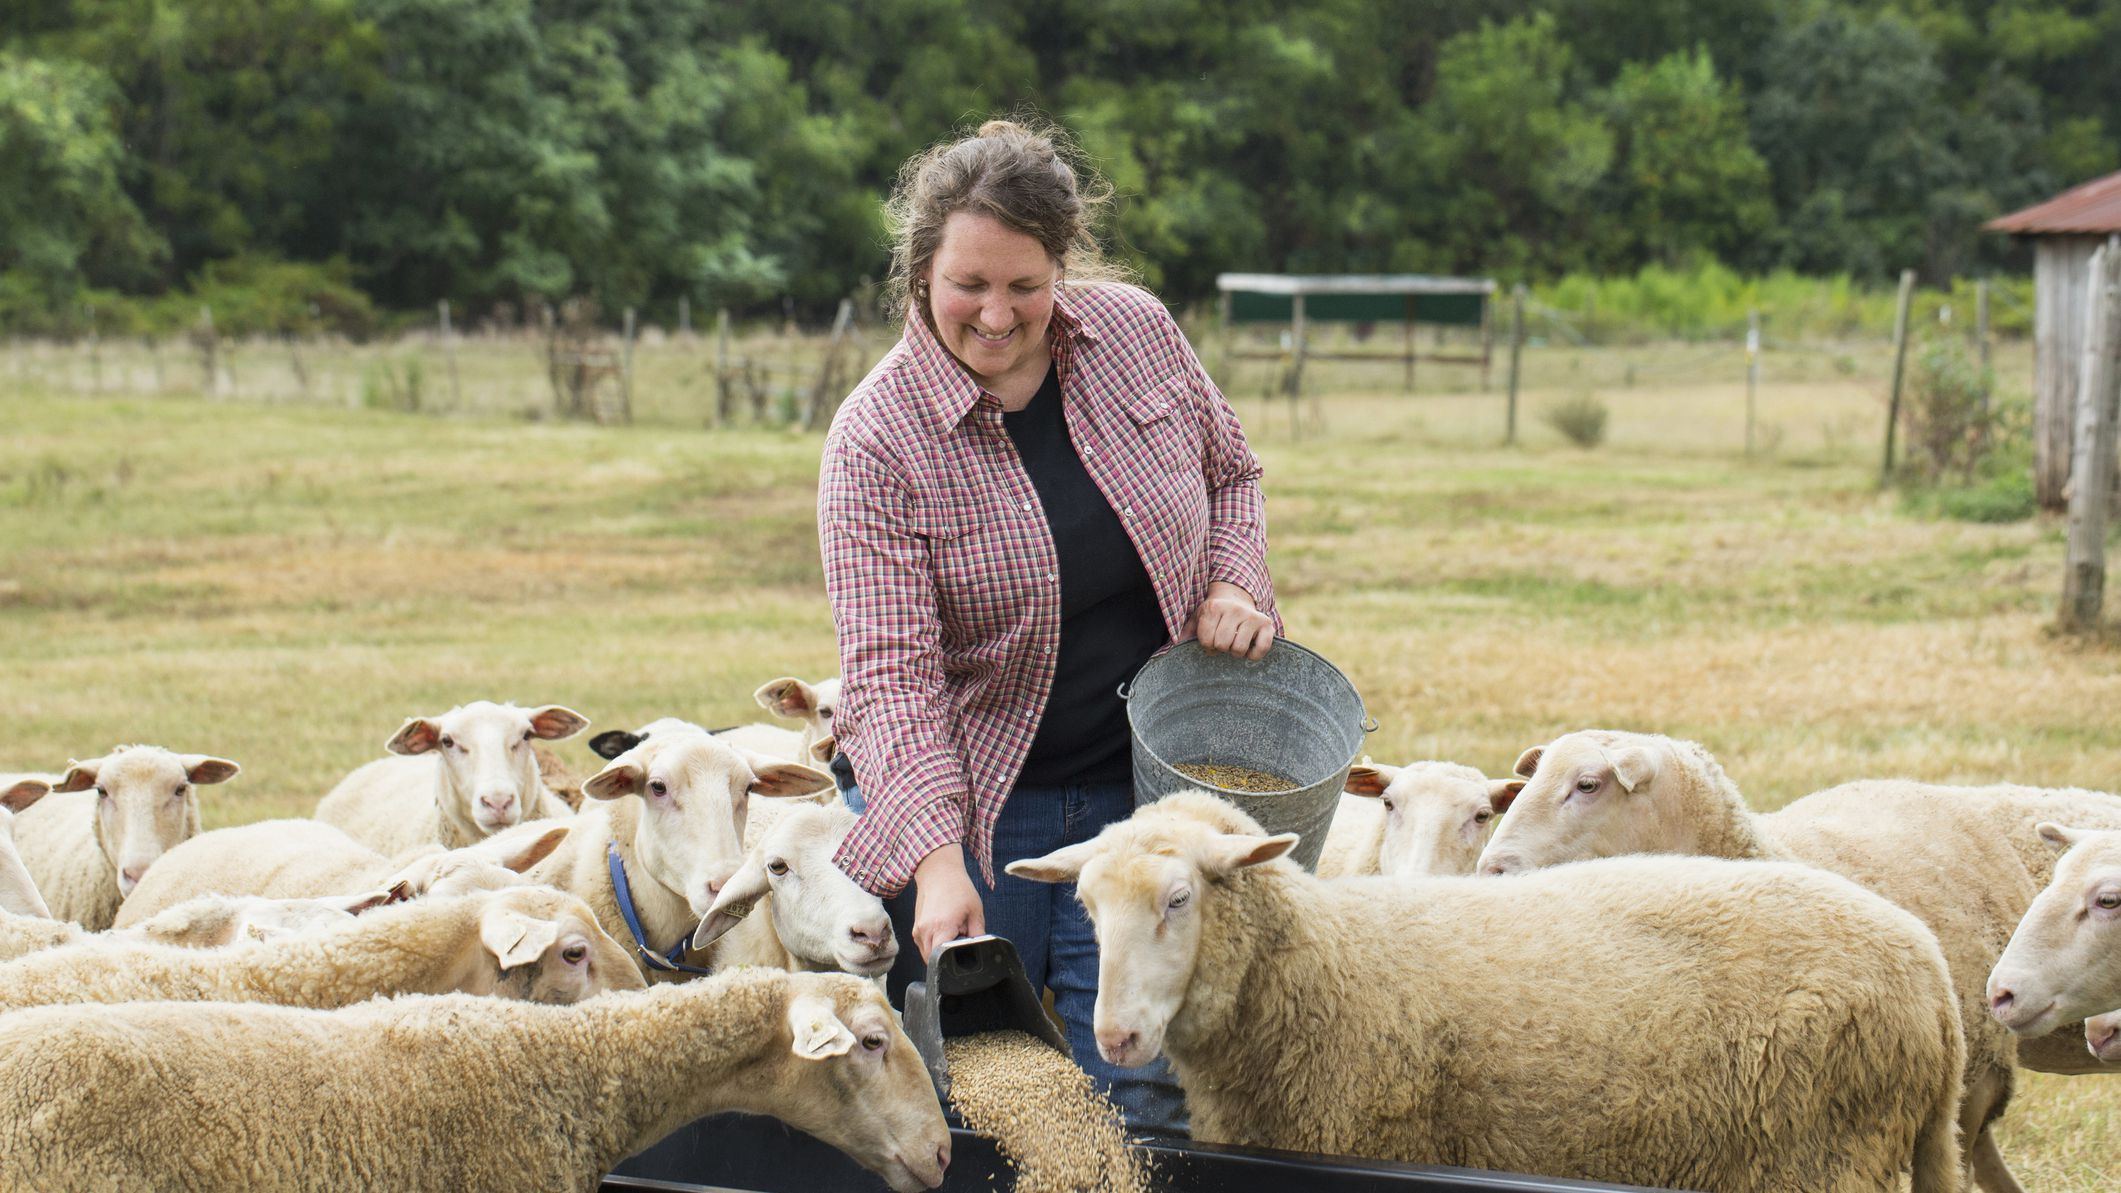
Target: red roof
2091, 209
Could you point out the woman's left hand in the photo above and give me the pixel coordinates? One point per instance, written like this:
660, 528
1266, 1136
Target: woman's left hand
1227, 620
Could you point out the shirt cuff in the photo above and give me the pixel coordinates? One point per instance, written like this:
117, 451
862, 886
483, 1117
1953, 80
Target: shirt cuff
887, 844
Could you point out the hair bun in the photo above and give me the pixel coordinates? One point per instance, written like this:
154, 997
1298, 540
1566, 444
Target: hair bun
1001, 128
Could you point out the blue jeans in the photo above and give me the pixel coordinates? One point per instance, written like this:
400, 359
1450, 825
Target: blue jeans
1053, 937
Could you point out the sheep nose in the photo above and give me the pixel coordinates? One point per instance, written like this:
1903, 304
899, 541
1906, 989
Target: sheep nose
499, 802
131, 875
1114, 1043
942, 1156
1501, 865
2000, 999
714, 886
2103, 1036
873, 935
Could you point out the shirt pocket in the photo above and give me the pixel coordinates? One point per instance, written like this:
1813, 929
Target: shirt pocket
1170, 435
959, 558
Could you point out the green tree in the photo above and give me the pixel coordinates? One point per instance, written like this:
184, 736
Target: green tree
65, 219
1687, 181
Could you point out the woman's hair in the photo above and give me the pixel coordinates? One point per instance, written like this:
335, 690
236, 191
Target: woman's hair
1017, 173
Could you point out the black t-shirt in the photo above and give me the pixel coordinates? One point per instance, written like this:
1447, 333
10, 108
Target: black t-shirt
1110, 622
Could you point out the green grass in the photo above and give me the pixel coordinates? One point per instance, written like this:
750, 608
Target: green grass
283, 582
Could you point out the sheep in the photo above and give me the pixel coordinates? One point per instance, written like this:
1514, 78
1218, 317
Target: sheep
1692, 1023
295, 859
86, 849
675, 806
818, 917
1422, 819
770, 740
1964, 860
454, 1092
18, 892
523, 942
2063, 961
812, 704
207, 922
456, 778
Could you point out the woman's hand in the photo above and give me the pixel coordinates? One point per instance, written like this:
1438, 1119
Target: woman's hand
1227, 620
945, 903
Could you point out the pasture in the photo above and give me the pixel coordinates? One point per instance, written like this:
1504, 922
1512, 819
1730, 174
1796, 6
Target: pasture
282, 583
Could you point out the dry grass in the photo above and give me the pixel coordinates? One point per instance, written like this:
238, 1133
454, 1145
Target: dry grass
283, 583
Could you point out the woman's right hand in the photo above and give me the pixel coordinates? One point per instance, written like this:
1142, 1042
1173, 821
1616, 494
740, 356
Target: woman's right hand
946, 906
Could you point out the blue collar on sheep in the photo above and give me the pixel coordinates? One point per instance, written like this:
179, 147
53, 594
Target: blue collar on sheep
667, 962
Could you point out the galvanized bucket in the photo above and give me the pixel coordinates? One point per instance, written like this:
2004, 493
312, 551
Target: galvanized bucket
1291, 713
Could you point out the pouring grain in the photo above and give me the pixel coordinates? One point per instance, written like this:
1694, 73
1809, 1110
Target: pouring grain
1061, 1135
1233, 778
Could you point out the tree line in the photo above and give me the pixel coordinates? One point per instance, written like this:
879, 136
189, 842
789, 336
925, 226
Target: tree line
351, 154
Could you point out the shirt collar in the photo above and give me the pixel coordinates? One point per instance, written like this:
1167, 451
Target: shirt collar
954, 393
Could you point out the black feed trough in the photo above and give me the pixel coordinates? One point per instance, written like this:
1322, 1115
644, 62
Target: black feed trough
763, 1155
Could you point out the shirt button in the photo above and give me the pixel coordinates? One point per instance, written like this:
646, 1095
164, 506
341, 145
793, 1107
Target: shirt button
1027, 507
1127, 513
1050, 577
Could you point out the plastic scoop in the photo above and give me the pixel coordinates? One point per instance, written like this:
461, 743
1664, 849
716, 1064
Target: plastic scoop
976, 984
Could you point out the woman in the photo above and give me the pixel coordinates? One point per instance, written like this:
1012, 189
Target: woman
1038, 488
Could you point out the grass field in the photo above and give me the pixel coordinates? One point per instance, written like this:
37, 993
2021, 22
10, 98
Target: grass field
283, 583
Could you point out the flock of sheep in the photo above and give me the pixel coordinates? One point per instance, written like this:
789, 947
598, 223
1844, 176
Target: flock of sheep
1834, 996
188, 1010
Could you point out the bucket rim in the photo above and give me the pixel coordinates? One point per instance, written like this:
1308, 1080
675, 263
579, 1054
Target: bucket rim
1364, 723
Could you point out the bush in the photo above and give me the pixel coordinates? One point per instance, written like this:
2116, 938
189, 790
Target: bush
1947, 413
1580, 418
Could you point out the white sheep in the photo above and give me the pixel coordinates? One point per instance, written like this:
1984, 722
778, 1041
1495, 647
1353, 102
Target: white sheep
18, 892
295, 859
456, 778
812, 704
107, 820
675, 807
2063, 962
1422, 819
816, 917
1690, 1023
207, 922
454, 1092
1964, 859
523, 942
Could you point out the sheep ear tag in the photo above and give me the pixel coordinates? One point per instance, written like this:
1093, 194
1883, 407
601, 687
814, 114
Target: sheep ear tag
514, 938
818, 1031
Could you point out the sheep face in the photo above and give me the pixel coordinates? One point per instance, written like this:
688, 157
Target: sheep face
2064, 961
1149, 883
543, 945
488, 772
820, 915
812, 704
695, 792
147, 803
1437, 815
18, 894
1587, 795
851, 1077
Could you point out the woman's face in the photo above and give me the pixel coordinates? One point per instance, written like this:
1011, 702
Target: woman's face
991, 294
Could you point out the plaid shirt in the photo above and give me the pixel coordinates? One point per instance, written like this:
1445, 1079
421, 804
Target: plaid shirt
941, 568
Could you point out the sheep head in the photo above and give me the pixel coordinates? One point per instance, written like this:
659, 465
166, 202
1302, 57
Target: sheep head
1437, 815
1595, 793
488, 772
147, 802
2064, 960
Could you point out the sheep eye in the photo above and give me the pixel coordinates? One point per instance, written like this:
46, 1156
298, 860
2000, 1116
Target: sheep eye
875, 1041
177, 792
1483, 816
776, 867
574, 953
1389, 805
1587, 785
448, 742
526, 735
2109, 901
1180, 900
102, 792
659, 787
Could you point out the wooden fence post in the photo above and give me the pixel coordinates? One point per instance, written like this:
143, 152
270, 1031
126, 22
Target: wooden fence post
1296, 366
626, 370
1509, 434
721, 367
1892, 410
685, 316
449, 353
822, 400
2091, 477
1752, 375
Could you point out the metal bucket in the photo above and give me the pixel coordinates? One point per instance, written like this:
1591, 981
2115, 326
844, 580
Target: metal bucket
1291, 713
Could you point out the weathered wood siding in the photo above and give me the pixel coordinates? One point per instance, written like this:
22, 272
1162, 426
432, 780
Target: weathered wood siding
2061, 287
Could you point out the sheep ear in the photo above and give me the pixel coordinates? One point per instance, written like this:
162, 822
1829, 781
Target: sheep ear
1062, 865
1228, 853
818, 1031
366, 900
79, 776
519, 853
416, 736
744, 889
205, 768
1503, 792
514, 938
23, 792
616, 780
1634, 766
2059, 836
1528, 762
1368, 778
779, 777
787, 697
555, 721
825, 749
613, 742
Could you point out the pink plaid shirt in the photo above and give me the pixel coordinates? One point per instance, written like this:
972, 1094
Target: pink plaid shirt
941, 567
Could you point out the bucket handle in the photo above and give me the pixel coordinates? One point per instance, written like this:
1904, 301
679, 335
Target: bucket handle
1124, 690
1369, 723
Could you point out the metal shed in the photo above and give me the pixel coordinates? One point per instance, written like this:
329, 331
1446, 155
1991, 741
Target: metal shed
1300, 300
2064, 231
